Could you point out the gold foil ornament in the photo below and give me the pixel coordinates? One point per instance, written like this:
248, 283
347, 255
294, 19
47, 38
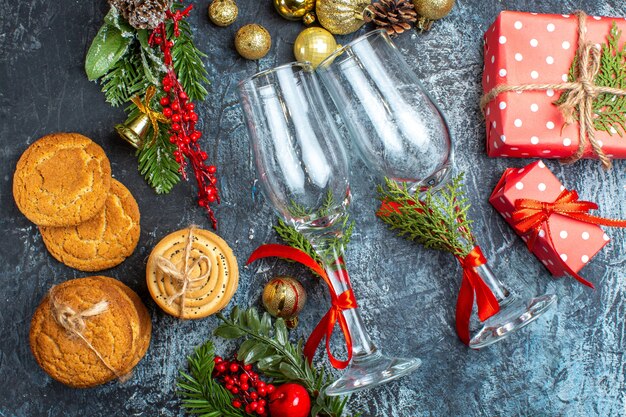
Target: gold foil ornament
314, 45
253, 41
341, 17
296, 10
284, 297
223, 12
429, 10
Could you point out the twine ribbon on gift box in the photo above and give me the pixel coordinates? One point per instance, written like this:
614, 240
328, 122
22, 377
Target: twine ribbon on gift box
74, 324
581, 94
339, 302
183, 275
530, 216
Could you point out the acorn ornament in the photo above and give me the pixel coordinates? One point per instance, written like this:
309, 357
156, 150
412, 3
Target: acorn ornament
314, 45
253, 41
223, 12
296, 10
284, 297
430, 10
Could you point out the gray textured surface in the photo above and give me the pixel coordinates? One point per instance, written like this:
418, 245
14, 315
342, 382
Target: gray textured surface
570, 363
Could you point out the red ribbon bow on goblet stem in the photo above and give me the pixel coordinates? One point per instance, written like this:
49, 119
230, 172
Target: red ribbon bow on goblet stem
531, 215
343, 301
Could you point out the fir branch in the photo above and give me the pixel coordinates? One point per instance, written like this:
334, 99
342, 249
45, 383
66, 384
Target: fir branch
187, 59
125, 79
199, 392
267, 346
438, 221
157, 163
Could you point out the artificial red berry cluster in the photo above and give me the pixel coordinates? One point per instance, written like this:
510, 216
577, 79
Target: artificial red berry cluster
248, 389
181, 112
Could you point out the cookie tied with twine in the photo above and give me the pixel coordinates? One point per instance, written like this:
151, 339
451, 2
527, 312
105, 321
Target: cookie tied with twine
579, 94
192, 273
89, 331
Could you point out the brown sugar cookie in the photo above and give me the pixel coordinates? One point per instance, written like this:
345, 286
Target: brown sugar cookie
192, 273
62, 179
101, 242
81, 334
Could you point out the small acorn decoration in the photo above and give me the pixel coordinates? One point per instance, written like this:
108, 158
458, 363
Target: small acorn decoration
253, 41
223, 12
284, 297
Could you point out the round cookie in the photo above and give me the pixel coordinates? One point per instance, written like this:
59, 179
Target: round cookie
62, 179
68, 358
203, 297
101, 242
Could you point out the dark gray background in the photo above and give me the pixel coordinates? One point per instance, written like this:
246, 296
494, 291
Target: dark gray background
569, 363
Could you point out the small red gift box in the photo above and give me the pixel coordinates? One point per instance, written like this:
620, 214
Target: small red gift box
530, 48
572, 243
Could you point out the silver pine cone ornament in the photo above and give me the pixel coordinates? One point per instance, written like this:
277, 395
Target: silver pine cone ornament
142, 14
395, 16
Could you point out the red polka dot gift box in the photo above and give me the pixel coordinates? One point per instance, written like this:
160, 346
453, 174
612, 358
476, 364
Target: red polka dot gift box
552, 221
533, 86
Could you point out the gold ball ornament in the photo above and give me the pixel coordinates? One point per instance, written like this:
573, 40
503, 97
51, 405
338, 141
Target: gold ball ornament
341, 17
253, 41
296, 10
223, 12
429, 10
314, 45
284, 297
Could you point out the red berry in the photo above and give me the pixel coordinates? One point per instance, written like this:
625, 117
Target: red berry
244, 377
221, 367
158, 40
167, 88
248, 368
170, 44
260, 410
212, 168
175, 106
254, 395
218, 359
167, 112
175, 127
236, 403
262, 391
211, 198
235, 390
244, 386
190, 106
253, 405
182, 95
173, 139
193, 117
270, 388
234, 367
176, 117
164, 101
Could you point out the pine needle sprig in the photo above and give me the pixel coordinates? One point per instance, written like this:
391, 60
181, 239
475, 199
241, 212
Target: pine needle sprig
267, 346
156, 162
199, 392
438, 220
125, 80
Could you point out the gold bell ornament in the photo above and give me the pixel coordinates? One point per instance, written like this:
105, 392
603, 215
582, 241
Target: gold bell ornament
314, 45
296, 10
135, 130
429, 10
253, 41
341, 17
223, 12
284, 297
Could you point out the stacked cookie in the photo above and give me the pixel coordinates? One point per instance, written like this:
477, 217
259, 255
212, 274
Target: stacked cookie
192, 273
88, 331
88, 220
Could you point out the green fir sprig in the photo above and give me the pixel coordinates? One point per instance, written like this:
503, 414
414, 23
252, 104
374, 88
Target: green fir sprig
609, 109
437, 220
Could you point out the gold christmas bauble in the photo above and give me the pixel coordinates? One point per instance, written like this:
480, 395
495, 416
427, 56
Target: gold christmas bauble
341, 17
433, 9
253, 41
223, 12
314, 45
294, 9
284, 297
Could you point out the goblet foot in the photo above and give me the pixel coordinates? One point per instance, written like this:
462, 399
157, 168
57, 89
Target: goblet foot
367, 371
513, 315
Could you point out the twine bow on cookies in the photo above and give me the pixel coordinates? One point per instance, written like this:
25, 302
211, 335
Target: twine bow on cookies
581, 94
183, 275
74, 323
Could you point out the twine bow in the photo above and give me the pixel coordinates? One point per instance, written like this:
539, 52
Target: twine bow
472, 284
344, 301
74, 323
183, 275
153, 115
581, 94
530, 216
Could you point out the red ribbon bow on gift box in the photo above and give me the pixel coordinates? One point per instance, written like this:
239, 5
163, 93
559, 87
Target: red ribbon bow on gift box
530, 215
344, 301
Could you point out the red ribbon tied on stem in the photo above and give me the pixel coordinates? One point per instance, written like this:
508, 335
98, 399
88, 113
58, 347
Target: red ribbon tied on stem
472, 284
530, 215
344, 301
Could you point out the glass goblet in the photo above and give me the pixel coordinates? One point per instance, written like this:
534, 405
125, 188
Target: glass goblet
303, 171
401, 134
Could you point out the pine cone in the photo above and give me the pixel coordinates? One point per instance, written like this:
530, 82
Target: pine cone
395, 16
142, 14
